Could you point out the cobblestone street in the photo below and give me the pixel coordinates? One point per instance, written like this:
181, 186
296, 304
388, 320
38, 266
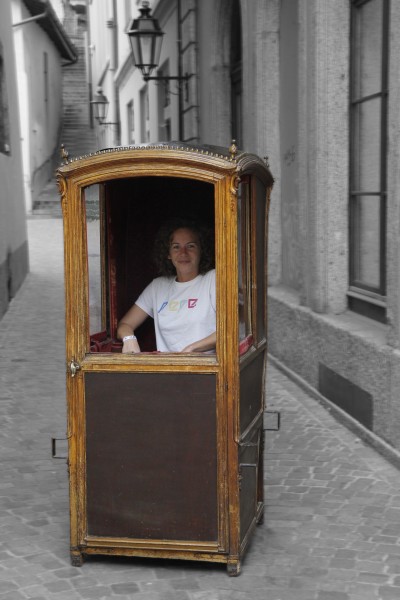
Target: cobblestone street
332, 522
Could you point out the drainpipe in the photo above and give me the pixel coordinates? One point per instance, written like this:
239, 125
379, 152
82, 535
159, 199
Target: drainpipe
89, 64
180, 71
113, 25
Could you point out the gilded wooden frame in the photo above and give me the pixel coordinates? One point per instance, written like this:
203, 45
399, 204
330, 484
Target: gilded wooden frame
223, 172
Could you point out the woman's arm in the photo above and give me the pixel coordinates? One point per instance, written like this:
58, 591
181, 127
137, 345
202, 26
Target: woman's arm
207, 343
127, 326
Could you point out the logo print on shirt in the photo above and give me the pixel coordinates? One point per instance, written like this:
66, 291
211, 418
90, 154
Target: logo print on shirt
163, 305
178, 305
174, 305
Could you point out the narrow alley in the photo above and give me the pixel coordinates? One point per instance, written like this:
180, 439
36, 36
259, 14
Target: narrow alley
332, 523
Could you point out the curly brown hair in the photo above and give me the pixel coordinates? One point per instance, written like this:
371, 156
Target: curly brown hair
162, 245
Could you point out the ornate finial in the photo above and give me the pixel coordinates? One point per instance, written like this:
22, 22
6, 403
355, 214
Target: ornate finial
64, 153
233, 149
266, 159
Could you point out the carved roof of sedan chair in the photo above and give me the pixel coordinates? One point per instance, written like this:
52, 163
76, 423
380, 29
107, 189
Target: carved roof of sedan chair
229, 154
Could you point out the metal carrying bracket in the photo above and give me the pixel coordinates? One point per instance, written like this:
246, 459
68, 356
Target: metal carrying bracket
240, 476
248, 444
278, 420
54, 441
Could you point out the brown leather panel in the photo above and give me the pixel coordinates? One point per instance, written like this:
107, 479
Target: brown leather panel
151, 455
251, 392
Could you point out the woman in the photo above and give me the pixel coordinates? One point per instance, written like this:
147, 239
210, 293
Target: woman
182, 300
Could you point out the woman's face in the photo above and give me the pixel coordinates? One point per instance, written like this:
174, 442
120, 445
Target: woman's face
185, 253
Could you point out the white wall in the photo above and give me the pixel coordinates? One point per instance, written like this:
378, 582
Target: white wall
40, 120
13, 236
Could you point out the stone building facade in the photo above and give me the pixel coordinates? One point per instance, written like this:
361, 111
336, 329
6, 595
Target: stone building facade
313, 85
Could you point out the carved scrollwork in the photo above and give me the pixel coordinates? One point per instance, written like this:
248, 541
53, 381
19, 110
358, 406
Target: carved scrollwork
235, 180
62, 188
233, 188
62, 185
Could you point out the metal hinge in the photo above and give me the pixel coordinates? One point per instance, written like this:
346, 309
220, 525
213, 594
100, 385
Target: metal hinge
74, 367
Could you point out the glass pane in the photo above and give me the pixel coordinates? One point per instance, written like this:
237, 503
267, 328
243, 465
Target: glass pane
367, 241
368, 39
261, 258
367, 146
92, 201
243, 260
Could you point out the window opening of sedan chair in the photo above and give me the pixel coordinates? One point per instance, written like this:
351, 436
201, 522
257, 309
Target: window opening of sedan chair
124, 217
252, 248
244, 264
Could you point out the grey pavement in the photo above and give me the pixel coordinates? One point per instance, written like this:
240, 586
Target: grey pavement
332, 522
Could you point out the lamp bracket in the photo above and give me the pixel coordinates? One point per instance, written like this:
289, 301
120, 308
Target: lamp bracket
168, 78
184, 78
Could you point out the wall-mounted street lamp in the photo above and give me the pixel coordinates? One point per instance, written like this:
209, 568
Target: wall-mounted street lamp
100, 106
146, 37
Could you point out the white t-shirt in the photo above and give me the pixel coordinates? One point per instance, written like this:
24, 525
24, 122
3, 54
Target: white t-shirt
183, 312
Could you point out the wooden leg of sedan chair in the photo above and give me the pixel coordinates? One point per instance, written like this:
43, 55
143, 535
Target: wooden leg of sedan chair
233, 567
76, 558
260, 518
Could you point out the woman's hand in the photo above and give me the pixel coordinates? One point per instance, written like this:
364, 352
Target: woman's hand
126, 327
131, 347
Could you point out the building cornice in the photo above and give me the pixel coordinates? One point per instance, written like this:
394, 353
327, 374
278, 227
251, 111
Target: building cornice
49, 22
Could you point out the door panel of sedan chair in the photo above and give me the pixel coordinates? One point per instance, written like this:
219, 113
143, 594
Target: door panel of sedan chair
165, 449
